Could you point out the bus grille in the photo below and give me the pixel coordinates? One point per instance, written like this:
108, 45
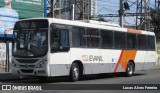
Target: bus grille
26, 66
26, 71
27, 60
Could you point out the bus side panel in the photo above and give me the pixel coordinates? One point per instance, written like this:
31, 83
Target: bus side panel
140, 60
90, 59
107, 62
124, 57
110, 58
95, 63
151, 60
60, 63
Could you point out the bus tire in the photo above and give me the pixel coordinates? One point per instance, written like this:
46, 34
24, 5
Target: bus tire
74, 72
130, 69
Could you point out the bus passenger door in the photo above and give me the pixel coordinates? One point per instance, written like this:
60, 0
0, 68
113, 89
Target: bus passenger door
60, 51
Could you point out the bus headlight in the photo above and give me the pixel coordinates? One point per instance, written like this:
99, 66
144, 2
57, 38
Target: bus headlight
41, 64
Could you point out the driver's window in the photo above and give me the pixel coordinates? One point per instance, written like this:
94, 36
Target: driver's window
55, 38
59, 39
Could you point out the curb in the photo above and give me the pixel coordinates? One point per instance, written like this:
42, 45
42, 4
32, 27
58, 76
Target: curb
7, 76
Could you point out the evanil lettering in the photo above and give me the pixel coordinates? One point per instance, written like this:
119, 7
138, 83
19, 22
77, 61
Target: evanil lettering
95, 58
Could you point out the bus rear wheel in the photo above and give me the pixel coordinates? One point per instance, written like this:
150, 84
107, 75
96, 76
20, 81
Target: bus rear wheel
74, 72
130, 69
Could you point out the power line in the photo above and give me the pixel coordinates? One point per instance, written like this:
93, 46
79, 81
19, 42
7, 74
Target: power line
106, 5
108, 1
105, 9
139, 8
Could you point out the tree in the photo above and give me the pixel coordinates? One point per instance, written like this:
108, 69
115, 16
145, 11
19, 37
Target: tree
155, 21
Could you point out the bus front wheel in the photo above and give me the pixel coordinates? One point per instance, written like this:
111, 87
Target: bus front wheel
74, 72
130, 69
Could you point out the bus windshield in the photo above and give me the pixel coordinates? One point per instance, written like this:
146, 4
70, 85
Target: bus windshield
30, 43
30, 38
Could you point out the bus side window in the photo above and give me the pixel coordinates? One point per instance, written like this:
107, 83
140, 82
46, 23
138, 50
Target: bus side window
151, 42
55, 38
119, 38
131, 41
75, 37
92, 36
79, 38
142, 44
106, 39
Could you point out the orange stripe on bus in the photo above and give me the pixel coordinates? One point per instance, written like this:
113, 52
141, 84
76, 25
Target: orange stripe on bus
127, 55
124, 58
118, 61
134, 31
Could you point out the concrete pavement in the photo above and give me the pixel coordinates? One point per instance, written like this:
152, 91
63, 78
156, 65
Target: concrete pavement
7, 75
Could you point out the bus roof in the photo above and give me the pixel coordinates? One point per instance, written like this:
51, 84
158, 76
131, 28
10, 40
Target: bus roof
94, 24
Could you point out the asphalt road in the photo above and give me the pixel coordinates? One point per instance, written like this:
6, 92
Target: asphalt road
140, 77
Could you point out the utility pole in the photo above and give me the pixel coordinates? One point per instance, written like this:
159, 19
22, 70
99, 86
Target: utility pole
143, 21
52, 10
121, 13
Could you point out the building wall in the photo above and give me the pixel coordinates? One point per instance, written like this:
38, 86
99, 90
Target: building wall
93, 6
68, 13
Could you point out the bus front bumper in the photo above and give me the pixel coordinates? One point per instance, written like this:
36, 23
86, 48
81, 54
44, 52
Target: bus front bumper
29, 72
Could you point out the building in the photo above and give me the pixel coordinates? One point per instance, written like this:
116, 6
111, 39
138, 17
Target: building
83, 9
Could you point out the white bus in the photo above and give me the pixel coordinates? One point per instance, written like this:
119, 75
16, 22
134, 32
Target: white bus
51, 47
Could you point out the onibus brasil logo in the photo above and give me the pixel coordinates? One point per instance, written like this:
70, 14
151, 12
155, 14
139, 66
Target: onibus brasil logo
19, 87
